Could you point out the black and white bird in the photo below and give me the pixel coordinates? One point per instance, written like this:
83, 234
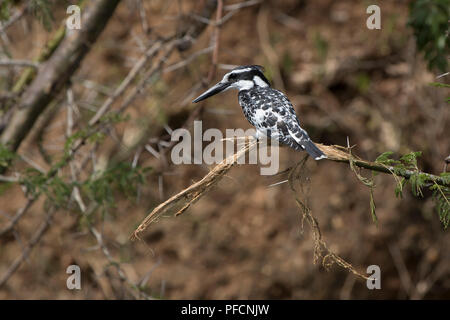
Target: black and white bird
266, 108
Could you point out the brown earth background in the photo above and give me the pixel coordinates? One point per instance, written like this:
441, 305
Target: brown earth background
244, 239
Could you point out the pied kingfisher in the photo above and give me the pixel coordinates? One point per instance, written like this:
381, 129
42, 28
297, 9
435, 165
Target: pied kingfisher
268, 109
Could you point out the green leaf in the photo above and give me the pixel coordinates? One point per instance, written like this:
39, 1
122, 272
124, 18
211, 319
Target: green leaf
441, 197
6, 156
5, 10
399, 188
429, 21
410, 159
384, 158
43, 11
417, 183
440, 85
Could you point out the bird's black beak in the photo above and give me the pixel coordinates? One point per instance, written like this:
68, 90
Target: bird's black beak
221, 86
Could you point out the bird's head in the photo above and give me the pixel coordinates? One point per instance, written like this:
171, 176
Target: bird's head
241, 78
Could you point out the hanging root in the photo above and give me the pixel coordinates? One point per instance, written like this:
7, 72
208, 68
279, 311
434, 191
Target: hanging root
300, 183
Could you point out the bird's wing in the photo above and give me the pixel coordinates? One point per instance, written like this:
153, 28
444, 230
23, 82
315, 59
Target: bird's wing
279, 115
276, 116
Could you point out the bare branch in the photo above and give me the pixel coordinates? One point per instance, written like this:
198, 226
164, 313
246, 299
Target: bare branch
14, 18
19, 63
57, 71
20, 213
150, 53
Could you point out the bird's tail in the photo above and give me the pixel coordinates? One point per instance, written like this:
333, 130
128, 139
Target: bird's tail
304, 142
312, 150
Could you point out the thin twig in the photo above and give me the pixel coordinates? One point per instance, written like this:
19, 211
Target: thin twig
149, 54
321, 250
19, 63
122, 275
185, 62
14, 18
215, 55
270, 53
240, 5
20, 213
8, 179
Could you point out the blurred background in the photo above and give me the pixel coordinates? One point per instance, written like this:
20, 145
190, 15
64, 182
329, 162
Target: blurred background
77, 181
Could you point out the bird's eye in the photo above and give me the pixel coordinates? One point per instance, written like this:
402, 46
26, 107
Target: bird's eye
232, 76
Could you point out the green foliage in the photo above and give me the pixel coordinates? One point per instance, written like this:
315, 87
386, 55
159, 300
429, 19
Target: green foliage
441, 85
100, 188
34, 181
43, 11
287, 63
429, 20
384, 158
92, 134
441, 195
69, 144
5, 10
363, 82
122, 177
409, 160
399, 188
406, 162
400, 166
6, 156
418, 181
321, 45
96, 137
114, 118
40, 8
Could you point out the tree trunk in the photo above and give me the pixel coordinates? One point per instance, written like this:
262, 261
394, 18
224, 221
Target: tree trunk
56, 72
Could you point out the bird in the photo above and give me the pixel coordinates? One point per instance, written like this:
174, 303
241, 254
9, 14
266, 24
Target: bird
266, 108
